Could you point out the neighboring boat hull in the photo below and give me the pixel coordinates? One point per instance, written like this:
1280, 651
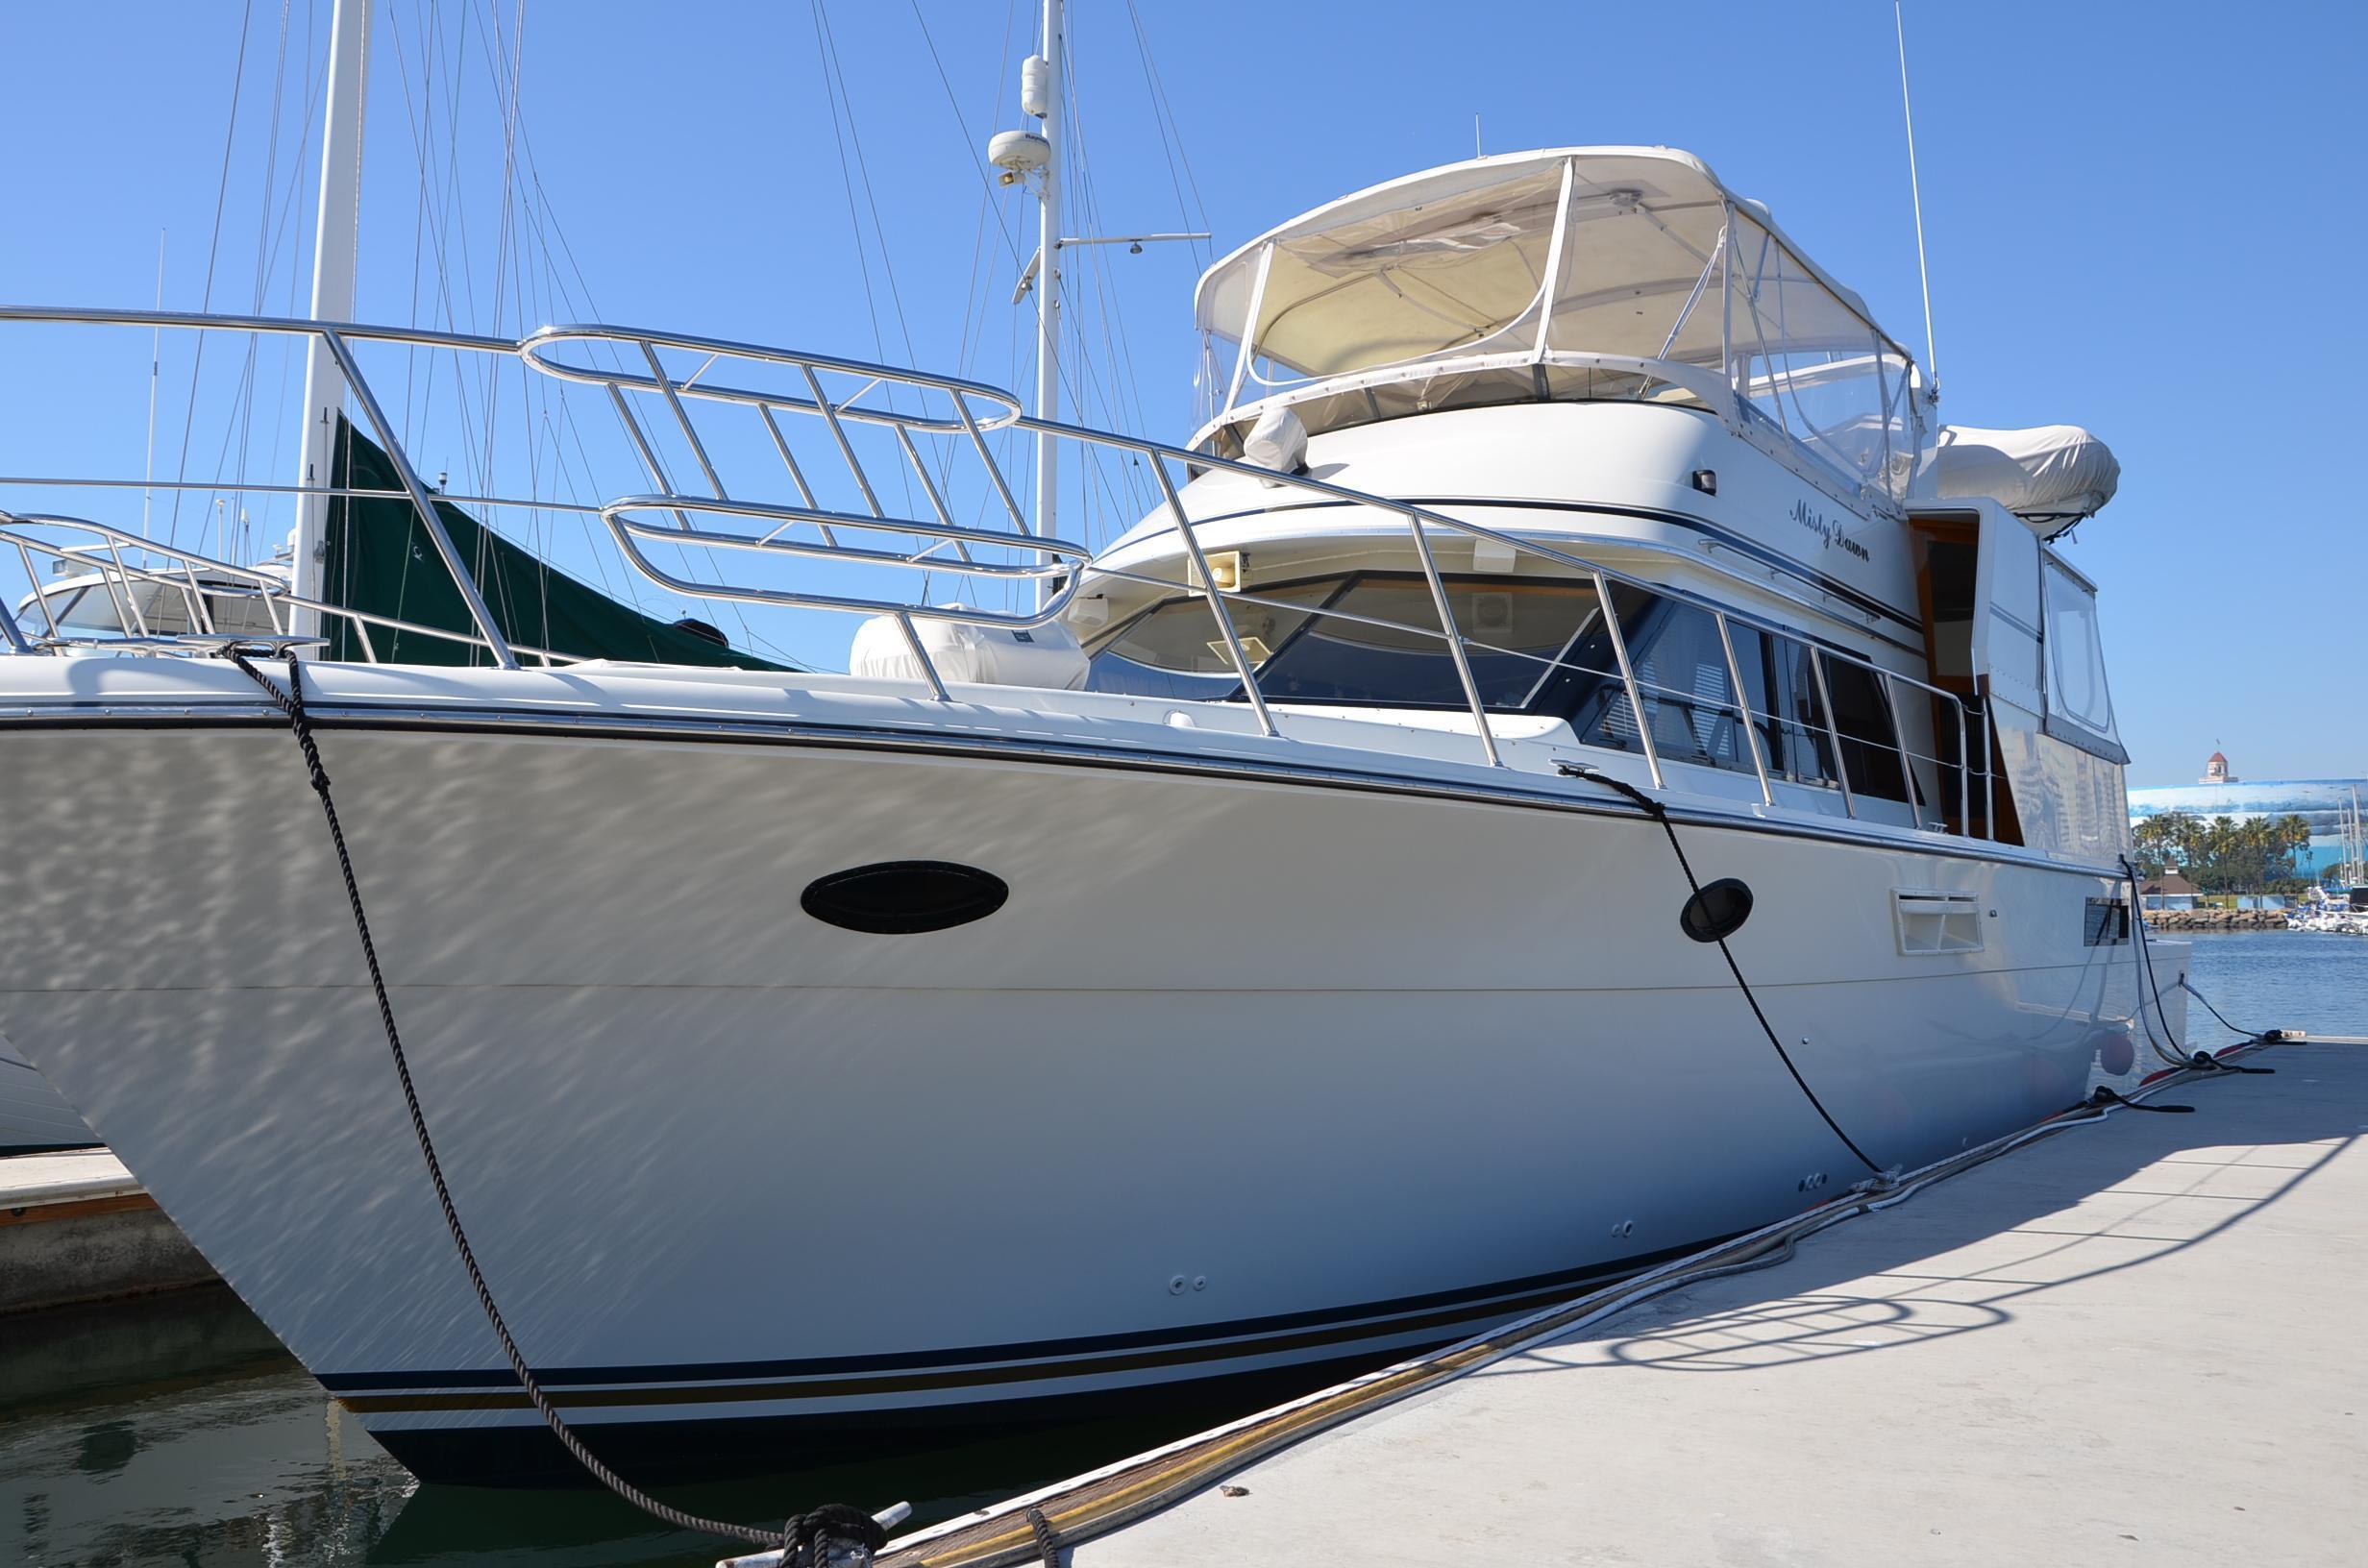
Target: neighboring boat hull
35, 1119
1254, 1073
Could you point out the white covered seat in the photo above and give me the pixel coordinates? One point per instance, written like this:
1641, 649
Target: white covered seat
1046, 657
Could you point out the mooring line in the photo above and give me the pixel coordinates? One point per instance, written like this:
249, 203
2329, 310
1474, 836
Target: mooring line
1660, 813
805, 1539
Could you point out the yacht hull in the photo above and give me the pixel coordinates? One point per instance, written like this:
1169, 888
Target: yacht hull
1253, 1075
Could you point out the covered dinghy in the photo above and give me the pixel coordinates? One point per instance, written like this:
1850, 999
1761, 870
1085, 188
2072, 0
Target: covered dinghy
2050, 473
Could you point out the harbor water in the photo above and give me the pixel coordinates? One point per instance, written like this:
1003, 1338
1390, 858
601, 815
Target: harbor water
175, 1431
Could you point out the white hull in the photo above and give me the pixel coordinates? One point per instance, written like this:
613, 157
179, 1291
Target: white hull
1363, 1064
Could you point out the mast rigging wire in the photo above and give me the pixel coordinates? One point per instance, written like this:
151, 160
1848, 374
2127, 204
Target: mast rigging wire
1931, 354
229, 138
1172, 140
835, 90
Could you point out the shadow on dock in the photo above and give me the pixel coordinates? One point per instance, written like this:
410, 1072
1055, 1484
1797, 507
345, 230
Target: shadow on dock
2005, 1235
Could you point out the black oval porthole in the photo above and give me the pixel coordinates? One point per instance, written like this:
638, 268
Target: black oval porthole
898, 897
1717, 912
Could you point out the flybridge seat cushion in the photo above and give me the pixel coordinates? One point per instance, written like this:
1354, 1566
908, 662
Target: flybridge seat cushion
2049, 471
1046, 657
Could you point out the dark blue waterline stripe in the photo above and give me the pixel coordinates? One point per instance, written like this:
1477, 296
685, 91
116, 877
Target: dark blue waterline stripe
1017, 1351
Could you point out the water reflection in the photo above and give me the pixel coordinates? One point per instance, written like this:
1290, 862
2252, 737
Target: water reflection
176, 1431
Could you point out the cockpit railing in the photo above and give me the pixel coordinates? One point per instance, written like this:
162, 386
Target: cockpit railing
899, 411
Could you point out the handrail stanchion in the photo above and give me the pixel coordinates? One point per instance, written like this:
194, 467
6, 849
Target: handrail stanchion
929, 487
1628, 679
33, 578
1899, 736
1743, 711
1964, 774
1990, 784
495, 642
1456, 649
127, 609
929, 666
838, 433
994, 470
789, 460
649, 454
1825, 701
201, 617
1217, 598
690, 431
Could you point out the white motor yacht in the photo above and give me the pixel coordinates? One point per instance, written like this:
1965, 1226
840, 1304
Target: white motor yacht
1257, 951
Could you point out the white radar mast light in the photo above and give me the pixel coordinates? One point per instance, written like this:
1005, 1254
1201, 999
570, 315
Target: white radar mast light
1020, 155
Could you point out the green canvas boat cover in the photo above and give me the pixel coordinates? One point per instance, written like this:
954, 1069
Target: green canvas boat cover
380, 560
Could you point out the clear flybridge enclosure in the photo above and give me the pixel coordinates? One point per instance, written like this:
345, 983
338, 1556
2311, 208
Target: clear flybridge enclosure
1572, 273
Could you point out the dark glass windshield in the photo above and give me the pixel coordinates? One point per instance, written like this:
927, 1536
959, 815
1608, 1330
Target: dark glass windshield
1368, 639
1539, 646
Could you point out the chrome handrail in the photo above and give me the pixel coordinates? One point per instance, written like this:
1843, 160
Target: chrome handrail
965, 412
114, 571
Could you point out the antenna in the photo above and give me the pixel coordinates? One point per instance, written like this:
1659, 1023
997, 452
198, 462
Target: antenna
155, 349
1475, 137
1931, 355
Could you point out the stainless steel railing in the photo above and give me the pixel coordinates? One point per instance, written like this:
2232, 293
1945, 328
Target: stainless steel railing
957, 417
125, 563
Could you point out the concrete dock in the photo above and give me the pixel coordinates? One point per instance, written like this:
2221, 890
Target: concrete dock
2136, 1341
76, 1227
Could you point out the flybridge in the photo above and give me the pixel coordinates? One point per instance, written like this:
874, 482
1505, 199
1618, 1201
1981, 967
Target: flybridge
1572, 273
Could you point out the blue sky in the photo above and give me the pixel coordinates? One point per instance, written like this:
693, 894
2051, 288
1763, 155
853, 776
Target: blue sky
2133, 213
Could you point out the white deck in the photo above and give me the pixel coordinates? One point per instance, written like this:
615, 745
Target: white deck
2136, 1342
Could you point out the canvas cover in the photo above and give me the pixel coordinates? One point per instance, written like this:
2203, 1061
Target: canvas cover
1566, 273
380, 559
1046, 656
2051, 471
1455, 259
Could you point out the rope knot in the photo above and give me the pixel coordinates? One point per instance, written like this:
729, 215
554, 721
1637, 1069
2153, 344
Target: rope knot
831, 1534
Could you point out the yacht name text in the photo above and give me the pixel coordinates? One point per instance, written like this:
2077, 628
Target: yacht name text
1827, 530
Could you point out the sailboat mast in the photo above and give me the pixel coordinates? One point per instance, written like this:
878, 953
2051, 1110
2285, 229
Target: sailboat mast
1049, 283
335, 241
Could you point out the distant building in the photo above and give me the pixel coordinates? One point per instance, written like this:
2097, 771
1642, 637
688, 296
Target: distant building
2322, 802
2169, 891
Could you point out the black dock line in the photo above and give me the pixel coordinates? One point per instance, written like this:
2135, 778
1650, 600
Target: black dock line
1660, 813
2178, 1055
802, 1537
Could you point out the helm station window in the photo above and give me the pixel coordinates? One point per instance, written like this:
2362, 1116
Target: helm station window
1535, 645
1371, 639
